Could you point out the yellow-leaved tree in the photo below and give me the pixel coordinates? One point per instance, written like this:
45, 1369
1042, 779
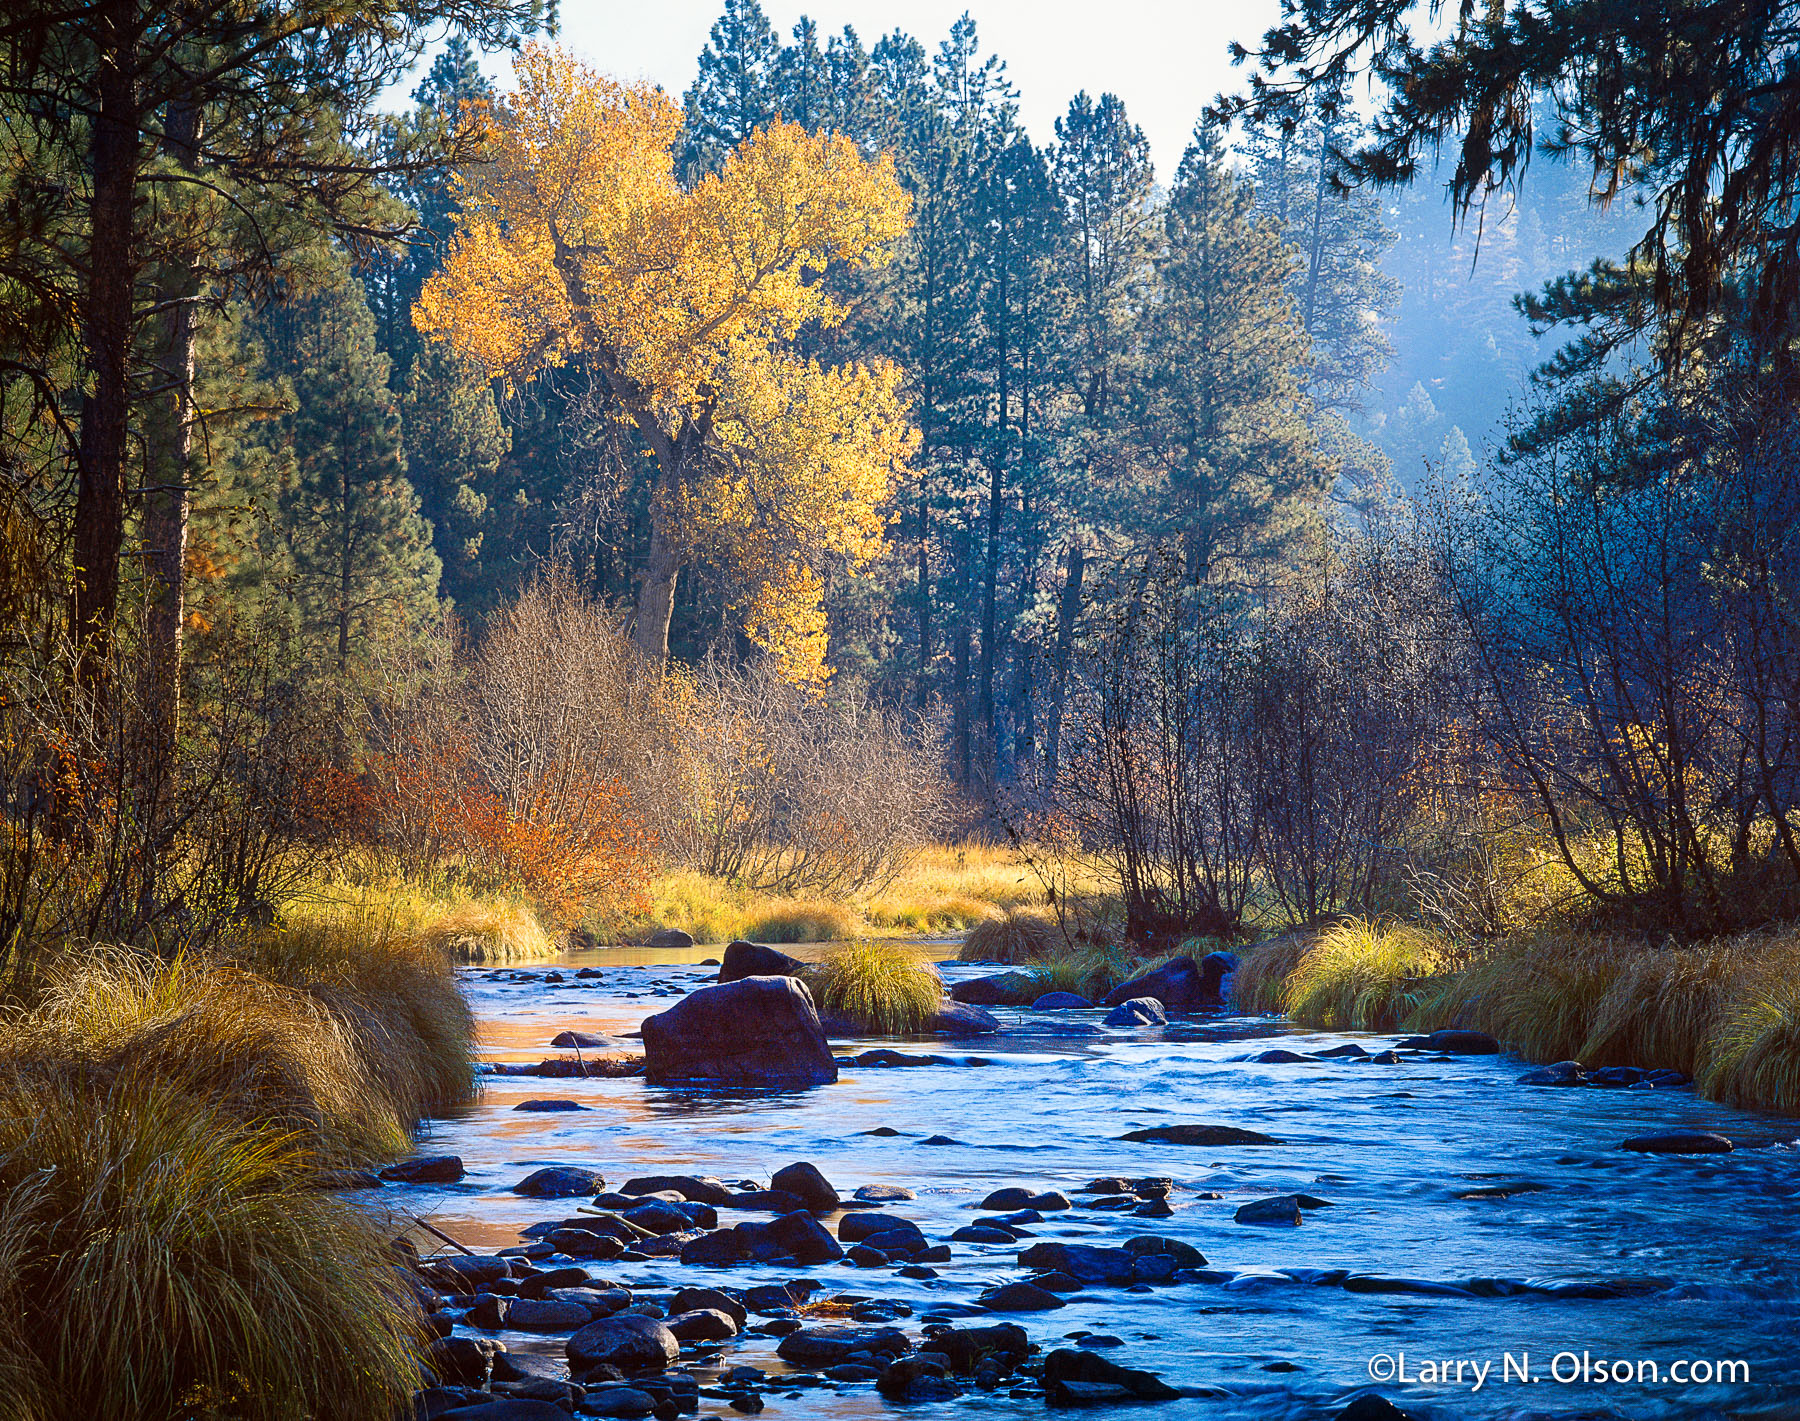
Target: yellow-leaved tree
576, 242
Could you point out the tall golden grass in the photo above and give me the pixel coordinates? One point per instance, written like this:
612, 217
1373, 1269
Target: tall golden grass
1726, 1011
162, 1257
884, 987
1363, 975
1022, 935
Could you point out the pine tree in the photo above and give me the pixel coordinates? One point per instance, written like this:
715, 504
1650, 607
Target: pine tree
455, 441
737, 88
1239, 478
357, 563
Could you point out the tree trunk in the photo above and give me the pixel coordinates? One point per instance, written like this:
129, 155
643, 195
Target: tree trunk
924, 576
167, 499
106, 333
1068, 613
656, 596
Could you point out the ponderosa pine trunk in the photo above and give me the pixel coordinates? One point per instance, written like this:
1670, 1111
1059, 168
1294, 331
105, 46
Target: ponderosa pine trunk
107, 334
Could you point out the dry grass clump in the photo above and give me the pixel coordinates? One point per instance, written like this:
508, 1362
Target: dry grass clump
804, 922
952, 913
1364, 975
1540, 995
884, 987
489, 932
160, 1256
1091, 971
1023, 935
1260, 982
1753, 1054
1663, 1005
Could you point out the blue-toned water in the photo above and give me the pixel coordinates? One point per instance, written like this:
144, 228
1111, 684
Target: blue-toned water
1705, 1246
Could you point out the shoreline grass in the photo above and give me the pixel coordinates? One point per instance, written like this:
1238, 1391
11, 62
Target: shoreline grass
1724, 1011
884, 987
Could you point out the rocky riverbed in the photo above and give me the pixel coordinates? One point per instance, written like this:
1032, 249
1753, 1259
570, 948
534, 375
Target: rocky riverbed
1222, 1217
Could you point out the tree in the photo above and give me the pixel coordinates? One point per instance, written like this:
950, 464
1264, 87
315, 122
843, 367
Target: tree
358, 563
1238, 475
454, 442
1693, 104
206, 138
576, 239
734, 90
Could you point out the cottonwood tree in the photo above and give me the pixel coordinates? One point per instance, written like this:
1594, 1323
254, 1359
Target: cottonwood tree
575, 239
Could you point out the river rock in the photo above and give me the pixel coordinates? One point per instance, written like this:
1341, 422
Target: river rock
884, 1194
1086, 1262
920, 1378
752, 959
1453, 1043
1562, 1073
1349, 1050
1198, 1135
760, 1030
1068, 1368
1181, 985
703, 1325
670, 940
545, 1315
1005, 1342
1372, 1408
694, 1299
549, 1107
425, 1169
617, 1400
1061, 1001
1282, 1209
1679, 1142
804, 1181
1282, 1057
1138, 1011
1615, 1077
1158, 1245
510, 1408
463, 1361
1019, 1297
659, 1216
629, 1342
1002, 989
701, 1190
815, 1347
954, 1018
566, 1039
559, 1181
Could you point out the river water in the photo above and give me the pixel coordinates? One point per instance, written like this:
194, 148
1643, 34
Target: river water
1702, 1248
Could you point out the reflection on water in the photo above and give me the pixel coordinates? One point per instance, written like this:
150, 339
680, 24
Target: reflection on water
1418, 1159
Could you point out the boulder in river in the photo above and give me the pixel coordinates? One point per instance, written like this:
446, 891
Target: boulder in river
1453, 1043
1281, 1209
815, 1347
1562, 1073
1371, 1407
1138, 1011
1198, 1135
698, 1189
670, 940
425, 1169
1679, 1142
757, 1030
1087, 1262
954, 1018
1181, 985
627, 1341
753, 959
1077, 1377
804, 1181
563, 1040
559, 1182
1061, 1001
549, 1107
1001, 989
1020, 1297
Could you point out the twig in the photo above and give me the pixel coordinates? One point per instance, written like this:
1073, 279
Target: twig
436, 1232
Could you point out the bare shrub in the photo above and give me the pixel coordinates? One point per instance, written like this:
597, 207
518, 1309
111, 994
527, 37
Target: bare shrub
801, 789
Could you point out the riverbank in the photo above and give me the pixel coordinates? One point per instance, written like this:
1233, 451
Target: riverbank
1724, 1012
174, 1135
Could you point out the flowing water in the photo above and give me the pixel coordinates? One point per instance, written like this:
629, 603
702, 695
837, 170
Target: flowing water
1695, 1256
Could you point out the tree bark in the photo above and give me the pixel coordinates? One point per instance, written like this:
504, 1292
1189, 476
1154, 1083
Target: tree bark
656, 596
106, 330
1068, 613
167, 499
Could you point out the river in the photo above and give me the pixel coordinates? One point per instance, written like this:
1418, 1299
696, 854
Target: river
1421, 1161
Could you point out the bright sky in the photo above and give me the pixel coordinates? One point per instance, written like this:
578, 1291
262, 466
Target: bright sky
1165, 58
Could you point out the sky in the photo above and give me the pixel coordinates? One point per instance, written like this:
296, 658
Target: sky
1165, 58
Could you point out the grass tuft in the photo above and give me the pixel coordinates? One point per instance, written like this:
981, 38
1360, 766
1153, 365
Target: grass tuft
489, 932
884, 987
161, 1257
1023, 935
1753, 1056
1260, 982
1363, 975
803, 921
